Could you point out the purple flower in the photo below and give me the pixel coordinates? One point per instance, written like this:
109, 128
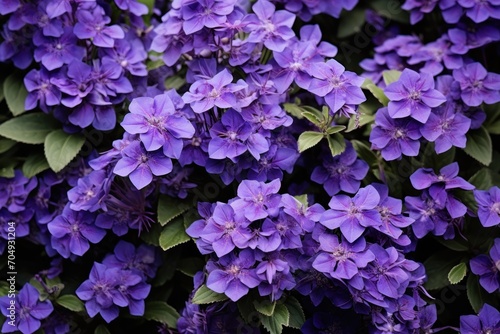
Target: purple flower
133, 6
342, 172
477, 85
28, 310
129, 54
390, 209
341, 260
436, 54
233, 136
205, 13
8, 6
170, 39
217, 91
353, 215
158, 124
440, 186
479, 11
77, 84
98, 292
140, 165
429, 215
390, 271
258, 200
418, 8
130, 291
338, 86
73, 230
446, 128
92, 25
233, 275
15, 191
90, 192
299, 59
488, 267
424, 178
268, 26
487, 321
40, 90
395, 137
226, 229
488, 206
413, 95
54, 52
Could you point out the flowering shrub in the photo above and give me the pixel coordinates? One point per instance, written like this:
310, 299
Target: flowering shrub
237, 166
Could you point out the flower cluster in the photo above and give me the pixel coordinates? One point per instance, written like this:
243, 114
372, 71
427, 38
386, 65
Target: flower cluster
245, 128
120, 281
84, 64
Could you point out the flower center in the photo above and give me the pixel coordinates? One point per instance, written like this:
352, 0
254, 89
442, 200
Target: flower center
414, 95
496, 207
234, 269
59, 46
269, 26
230, 226
296, 66
196, 141
214, 93
232, 135
399, 133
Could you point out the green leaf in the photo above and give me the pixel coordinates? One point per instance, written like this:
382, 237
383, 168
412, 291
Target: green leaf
34, 164
492, 123
170, 208
359, 121
376, 91
309, 139
161, 312
302, 199
175, 82
6, 144
452, 244
293, 109
275, 323
364, 152
7, 168
334, 129
61, 148
477, 295
152, 235
391, 76
437, 267
15, 93
190, 266
479, 145
336, 143
436, 161
70, 302
29, 129
206, 296
246, 308
265, 306
297, 317
485, 178
351, 22
457, 273
313, 118
391, 10
102, 329
2, 95
173, 234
